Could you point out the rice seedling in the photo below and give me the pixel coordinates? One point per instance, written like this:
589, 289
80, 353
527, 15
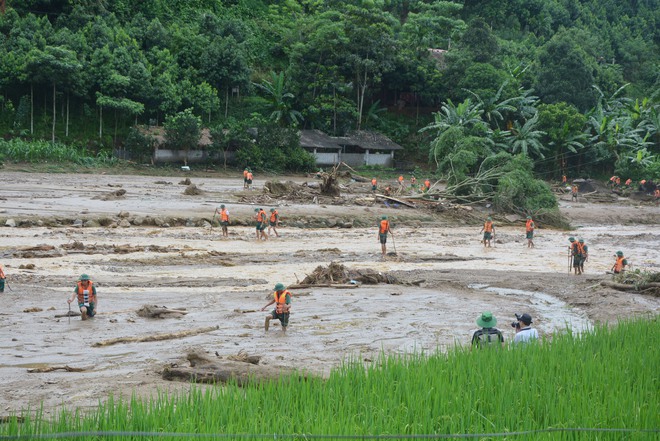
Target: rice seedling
598, 382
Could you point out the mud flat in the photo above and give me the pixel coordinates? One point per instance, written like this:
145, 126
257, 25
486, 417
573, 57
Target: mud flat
446, 278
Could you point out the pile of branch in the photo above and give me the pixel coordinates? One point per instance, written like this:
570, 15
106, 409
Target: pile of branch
337, 274
644, 282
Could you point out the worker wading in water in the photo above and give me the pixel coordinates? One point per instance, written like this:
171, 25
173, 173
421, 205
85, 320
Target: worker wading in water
224, 219
529, 232
620, 263
274, 221
85, 291
576, 251
282, 300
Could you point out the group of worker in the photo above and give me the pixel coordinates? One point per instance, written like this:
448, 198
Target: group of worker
401, 182
261, 219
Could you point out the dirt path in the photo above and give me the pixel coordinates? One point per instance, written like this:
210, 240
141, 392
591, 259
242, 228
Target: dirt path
215, 280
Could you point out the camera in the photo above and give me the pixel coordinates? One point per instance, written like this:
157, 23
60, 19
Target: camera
516, 324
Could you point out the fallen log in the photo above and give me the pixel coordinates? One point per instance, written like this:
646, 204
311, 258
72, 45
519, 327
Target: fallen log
629, 287
323, 285
153, 311
56, 368
400, 201
157, 337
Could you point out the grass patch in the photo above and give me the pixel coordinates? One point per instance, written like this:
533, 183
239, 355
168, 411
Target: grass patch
605, 379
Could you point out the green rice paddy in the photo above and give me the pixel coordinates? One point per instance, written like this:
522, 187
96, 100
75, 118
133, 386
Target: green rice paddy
606, 383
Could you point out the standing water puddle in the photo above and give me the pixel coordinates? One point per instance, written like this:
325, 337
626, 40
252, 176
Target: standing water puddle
555, 314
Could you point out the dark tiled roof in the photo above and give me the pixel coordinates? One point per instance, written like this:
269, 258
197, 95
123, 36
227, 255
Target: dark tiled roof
370, 141
318, 140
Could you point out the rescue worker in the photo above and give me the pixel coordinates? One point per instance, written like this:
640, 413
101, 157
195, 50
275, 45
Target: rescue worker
260, 224
427, 185
224, 219
489, 231
617, 182
282, 300
245, 177
628, 182
249, 177
529, 232
574, 192
2, 280
620, 263
374, 184
388, 190
274, 221
656, 195
563, 179
584, 254
85, 291
612, 181
413, 182
383, 229
575, 251
401, 183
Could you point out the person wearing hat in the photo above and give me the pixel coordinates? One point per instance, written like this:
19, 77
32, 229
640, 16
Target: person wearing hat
488, 335
524, 331
245, 176
489, 231
85, 291
260, 223
224, 219
620, 263
383, 229
529, 232
374, 184
584, 254
282, 300
575, 252
274, 221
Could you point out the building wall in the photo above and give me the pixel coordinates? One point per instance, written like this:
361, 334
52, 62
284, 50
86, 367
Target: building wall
353, 159
383, 159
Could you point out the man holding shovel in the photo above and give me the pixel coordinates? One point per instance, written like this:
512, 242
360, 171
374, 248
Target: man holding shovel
85, 291
224, 219
383, 229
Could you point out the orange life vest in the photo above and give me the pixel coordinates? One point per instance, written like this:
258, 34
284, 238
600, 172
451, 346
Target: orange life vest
657, 193
280, 300
612, 178
224, 216
574, 189
384, 226
90, 292
580, 248
374, 182
273, 216
401, 179
488, 227
427, 184
563, 179
618, 181
618, 266
261, 216
249, 176
2, 273
628, 182
529, 225
245, 174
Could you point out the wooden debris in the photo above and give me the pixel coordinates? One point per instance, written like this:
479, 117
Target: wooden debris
156, 337
154, 311
56, 368
337, 275
205, 370
400, 201
245, 357
33, 309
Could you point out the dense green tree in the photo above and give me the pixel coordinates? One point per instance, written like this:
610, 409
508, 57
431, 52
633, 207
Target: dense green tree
183, 131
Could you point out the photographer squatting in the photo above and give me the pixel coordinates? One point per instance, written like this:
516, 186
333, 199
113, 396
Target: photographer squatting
524, 330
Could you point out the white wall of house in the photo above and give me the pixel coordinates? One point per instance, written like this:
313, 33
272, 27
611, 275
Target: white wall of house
194, 156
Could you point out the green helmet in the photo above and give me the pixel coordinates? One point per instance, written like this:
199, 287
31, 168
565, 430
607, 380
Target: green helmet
279, 287
571, 239
581, 240
529, 217
272, 209
384, 217
222, 206
84, 277
619, 253
489, 218
256, 210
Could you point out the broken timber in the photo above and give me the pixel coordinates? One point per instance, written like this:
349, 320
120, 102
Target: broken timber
400, 201
56, 368
157, 337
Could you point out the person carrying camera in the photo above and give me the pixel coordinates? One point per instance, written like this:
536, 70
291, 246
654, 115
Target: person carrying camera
488, 335
524, 331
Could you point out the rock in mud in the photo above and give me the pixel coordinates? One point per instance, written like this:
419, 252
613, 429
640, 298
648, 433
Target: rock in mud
10, 223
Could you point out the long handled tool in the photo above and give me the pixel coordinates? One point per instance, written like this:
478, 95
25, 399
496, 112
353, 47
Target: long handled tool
69, 313
8, 285
394, 244
213, 220
569, 261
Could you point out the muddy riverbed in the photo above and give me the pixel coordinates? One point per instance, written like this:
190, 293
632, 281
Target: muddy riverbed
447, 278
